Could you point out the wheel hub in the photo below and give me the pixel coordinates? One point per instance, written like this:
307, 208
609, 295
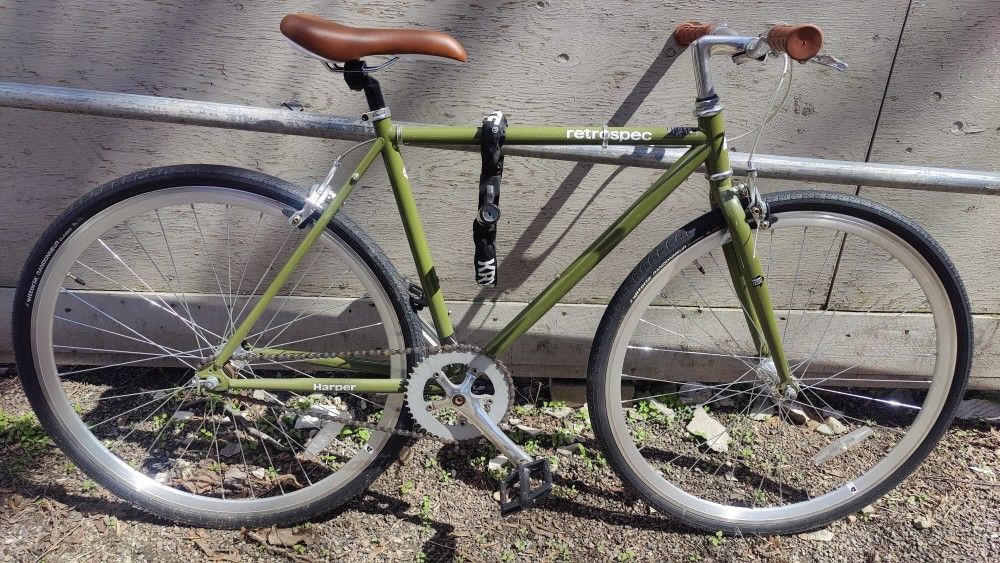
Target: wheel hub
767, 372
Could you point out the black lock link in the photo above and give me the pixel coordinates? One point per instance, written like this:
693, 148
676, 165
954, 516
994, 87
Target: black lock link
484, 227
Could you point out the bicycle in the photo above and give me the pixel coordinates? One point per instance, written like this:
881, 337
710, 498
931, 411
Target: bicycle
216, 349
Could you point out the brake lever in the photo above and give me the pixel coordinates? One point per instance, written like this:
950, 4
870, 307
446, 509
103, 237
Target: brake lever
745, 57
756, 51
830, 62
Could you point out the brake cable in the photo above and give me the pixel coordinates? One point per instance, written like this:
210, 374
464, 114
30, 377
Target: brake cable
756, 204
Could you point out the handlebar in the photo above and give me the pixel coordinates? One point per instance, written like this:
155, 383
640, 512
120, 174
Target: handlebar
801, 42
689, 32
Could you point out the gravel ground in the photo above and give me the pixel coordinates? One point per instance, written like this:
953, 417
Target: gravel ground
436, 505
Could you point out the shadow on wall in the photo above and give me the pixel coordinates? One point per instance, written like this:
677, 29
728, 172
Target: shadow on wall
519, 252
177, 37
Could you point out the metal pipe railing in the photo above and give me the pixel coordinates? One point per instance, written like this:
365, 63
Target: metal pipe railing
285, 122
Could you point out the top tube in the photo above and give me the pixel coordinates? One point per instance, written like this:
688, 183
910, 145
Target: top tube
545, 135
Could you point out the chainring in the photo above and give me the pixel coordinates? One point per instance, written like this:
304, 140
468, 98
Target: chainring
431, 410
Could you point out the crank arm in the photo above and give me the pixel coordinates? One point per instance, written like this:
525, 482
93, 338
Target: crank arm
477, 416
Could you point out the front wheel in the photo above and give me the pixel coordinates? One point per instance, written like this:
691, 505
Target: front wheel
878, 334
141, 282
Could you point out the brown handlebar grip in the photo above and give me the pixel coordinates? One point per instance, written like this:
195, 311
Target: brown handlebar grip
689, 32
801, 42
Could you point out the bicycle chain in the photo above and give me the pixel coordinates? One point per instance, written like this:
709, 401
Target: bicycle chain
375, 353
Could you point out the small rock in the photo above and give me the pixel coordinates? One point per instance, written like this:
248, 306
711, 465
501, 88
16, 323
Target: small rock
324, 411
259, 473
572, 449
179, 463
829, 412
825, 535
923, 522
761, 409
710, 430
497, 463
513, 420
978, 409
730, 476
286, 537
824, 430
529, 430
557, 412
181, 416
496, 496
260, 395
796, 415
661, 408
812, 424
835, 425
987, 471
309, 422
694, 393
231, 449
869, 510
852, 518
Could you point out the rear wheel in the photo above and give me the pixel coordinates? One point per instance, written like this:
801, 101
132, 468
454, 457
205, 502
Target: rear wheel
142, 281
877, 329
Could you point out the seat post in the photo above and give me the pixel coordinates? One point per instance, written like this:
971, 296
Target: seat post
358, 79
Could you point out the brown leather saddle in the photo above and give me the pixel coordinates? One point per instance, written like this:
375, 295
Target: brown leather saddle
339, 43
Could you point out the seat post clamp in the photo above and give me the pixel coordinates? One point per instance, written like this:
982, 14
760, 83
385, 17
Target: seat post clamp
375, 115
719, 176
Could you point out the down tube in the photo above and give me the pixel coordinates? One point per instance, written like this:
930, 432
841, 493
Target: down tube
609, 239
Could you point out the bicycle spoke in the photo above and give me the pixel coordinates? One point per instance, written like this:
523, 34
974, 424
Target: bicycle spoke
208, 255
291, 292
195, 328
125, 336
754, 448
170, 287
791, 300
299, 315
309, 338
280, 252
173, 263
126, 327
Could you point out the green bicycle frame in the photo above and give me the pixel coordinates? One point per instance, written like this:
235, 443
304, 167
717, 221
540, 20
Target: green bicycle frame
708, 148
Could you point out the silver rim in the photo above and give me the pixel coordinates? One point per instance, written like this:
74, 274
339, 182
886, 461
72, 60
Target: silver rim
852, 337
158, 255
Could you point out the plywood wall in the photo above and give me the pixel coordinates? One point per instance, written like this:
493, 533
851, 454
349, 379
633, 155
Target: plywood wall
549, 61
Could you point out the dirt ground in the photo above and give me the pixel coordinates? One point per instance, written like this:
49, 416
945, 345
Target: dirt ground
436, 505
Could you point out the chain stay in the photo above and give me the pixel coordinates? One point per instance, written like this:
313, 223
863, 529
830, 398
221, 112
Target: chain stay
376, 353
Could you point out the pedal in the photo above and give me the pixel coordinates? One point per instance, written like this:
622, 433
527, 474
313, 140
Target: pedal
517, 491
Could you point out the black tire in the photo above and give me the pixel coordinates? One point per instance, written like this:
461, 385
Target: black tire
145, 182
713, 222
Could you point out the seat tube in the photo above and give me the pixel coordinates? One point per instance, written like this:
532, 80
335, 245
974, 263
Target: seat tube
744, 267
414, 228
